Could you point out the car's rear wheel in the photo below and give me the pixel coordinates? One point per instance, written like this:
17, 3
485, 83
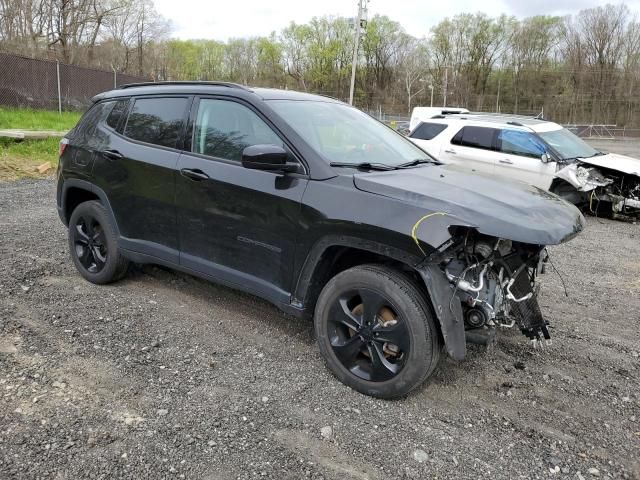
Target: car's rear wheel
93, 244
376, 331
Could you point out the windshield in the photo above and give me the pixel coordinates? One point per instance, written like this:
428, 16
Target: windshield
568, 145
340, 133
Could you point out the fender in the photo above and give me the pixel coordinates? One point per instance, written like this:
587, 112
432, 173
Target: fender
449, 313
308, 269
438, 287
88, 186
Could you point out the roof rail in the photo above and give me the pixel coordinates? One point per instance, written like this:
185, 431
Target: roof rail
451, 115
185, 82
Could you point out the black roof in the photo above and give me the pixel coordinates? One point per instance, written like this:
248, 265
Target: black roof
194, 88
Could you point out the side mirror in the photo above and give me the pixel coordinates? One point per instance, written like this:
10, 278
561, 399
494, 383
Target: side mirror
267, 157
545, 158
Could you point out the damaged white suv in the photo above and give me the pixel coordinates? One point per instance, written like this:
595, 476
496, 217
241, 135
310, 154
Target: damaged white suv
537, 152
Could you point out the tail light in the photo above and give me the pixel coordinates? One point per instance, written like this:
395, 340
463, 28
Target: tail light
64, 143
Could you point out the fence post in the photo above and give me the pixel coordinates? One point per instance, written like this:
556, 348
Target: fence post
59, 89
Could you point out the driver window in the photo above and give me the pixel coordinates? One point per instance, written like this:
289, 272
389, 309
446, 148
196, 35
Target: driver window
224, 128
516, 142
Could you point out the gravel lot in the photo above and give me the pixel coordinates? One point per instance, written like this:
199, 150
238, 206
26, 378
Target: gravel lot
165, 376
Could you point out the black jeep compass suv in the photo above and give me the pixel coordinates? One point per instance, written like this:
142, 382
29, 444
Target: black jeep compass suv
316, 207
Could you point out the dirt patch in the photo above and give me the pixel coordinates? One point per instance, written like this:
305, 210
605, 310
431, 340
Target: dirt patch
165, 376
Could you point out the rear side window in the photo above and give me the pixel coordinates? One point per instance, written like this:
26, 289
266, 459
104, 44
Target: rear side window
156, 120
117, 113
427, 131
516, 142
86, 128
224, 129
475, 137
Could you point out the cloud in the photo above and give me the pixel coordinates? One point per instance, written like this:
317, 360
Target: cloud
558, 7
248, 18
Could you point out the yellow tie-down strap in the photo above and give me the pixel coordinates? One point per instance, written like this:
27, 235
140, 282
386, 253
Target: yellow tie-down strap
414, 230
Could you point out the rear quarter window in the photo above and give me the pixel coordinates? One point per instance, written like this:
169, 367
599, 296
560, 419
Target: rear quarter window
86, 127
158, 121
117, 113
427, 131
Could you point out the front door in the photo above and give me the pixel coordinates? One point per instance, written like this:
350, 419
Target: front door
520, 158
235, 224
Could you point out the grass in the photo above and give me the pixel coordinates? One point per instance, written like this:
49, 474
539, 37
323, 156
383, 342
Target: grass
18, 159
30, 119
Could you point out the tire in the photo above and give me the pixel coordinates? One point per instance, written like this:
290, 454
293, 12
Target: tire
349, 346
93, 244
568, 192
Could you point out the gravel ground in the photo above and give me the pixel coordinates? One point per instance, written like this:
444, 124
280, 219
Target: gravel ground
166, 376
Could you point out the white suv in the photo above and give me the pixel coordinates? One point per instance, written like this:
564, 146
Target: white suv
537, 152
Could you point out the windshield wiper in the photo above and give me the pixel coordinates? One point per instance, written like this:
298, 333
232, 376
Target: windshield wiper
364, 165
416, 162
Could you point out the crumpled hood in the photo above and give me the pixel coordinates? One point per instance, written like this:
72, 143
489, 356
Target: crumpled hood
622, 163
497, 207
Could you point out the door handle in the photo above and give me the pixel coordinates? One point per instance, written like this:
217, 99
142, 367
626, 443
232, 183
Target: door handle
506, 161
194, 174
453, 152
112, 154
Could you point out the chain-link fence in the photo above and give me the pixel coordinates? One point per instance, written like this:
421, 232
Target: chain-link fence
29, 82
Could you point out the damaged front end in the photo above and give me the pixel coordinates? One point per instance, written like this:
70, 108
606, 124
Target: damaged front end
602, 191
483, 283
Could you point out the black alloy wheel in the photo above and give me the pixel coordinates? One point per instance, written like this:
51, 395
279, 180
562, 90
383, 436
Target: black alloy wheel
93, 244
367, 336
90, 243
376, 331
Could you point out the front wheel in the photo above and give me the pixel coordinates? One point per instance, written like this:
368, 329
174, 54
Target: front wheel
376, 331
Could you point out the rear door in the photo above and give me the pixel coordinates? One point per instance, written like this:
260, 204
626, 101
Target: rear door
472, 148
87, 138
136, 170
520, 157
235, 224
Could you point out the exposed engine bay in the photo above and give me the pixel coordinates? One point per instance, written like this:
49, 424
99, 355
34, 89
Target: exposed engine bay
495, 282
603, 191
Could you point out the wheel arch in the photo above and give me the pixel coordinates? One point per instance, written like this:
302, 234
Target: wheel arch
334, 254
76, 191
568, 192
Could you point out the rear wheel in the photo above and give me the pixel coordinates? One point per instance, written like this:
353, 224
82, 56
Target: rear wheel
376, 332
93, 244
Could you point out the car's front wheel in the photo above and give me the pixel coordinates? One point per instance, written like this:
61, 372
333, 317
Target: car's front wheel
376, 331
93, 244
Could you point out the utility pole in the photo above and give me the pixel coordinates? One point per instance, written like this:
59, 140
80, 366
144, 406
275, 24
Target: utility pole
498, 97
431, 88
361, 21
446, 84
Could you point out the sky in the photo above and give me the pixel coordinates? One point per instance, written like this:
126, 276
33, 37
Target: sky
221, 20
